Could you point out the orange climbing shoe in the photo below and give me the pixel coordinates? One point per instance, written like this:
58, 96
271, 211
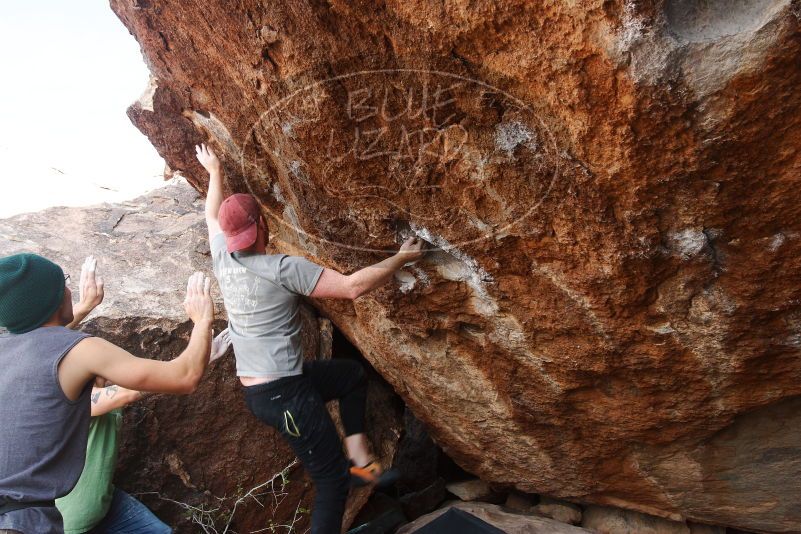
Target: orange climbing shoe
372, 475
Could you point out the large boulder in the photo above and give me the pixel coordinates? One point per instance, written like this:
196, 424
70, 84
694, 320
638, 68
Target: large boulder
613, 313
203, 460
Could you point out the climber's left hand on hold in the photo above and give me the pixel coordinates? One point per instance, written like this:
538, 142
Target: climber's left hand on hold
412, 249
207, 158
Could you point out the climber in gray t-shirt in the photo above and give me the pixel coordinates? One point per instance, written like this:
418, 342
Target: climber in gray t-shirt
262, 294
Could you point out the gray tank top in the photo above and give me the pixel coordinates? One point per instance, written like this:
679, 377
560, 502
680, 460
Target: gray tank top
42, 433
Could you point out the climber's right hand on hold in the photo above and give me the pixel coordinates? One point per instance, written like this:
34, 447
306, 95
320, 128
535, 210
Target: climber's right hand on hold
198, 303
411, 249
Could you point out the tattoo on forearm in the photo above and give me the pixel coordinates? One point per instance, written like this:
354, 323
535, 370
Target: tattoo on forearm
111, 391
95, 397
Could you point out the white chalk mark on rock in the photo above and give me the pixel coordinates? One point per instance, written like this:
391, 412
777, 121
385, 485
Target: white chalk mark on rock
777, 241
407, 281
688, 242
510, 135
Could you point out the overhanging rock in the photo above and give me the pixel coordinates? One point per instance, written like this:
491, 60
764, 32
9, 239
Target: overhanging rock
614, 313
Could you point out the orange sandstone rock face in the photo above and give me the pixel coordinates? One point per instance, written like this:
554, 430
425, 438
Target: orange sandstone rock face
612, 313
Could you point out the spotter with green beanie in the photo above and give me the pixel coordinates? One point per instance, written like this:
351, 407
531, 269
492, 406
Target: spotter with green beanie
31, 290
47, 370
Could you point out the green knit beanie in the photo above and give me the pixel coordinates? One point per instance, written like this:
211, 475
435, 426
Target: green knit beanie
31, 290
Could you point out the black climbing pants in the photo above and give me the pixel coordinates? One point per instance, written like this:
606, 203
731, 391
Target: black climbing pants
295, 406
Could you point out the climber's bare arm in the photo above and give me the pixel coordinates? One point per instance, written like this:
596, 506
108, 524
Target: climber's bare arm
91, 292
334, 285
112, 397
96, 357
214, 196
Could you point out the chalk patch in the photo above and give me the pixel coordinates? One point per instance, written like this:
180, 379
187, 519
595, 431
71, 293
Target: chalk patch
278, 194
217, 129
510, 135
776, 242
407, 281
296, 170
443, 244
456, 265
631, 29
688, 242
663, 329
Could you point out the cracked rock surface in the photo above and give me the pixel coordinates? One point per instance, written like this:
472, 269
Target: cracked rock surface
613, 311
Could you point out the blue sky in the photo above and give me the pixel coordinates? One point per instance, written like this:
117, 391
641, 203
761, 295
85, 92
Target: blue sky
69, 71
